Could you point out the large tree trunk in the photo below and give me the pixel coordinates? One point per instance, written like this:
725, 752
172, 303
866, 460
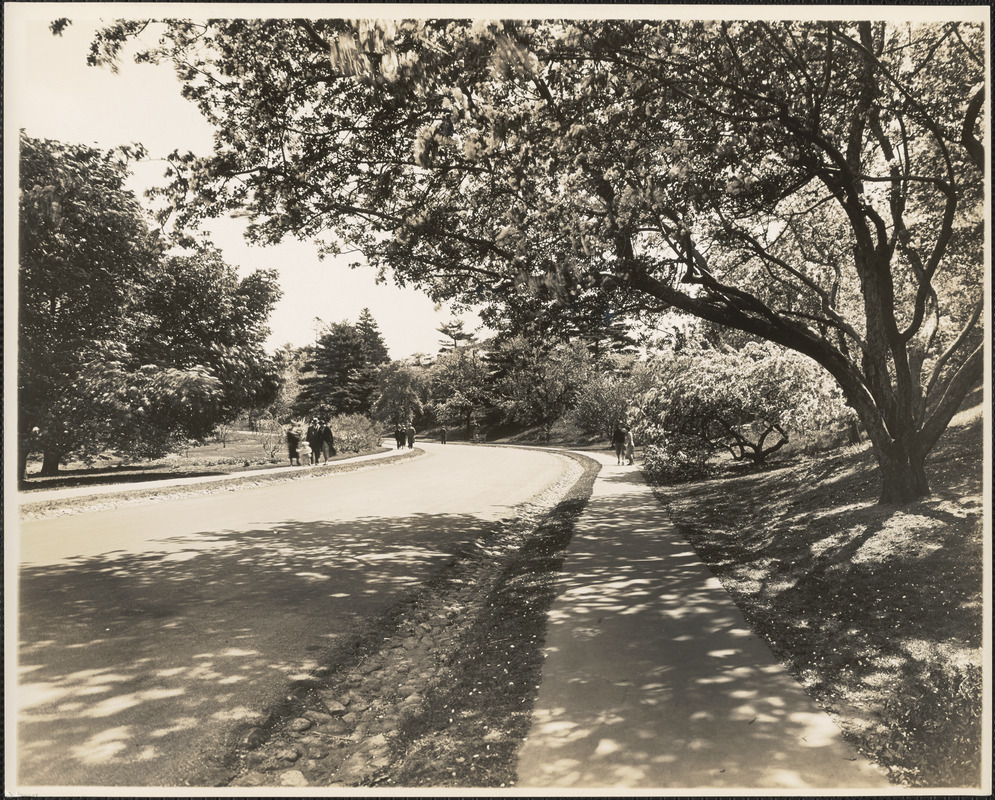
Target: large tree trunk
903, 475
900, 462
50, 462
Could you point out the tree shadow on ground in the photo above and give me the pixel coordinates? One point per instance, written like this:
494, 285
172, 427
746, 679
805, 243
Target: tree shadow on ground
132, 663
858, 598
682, 693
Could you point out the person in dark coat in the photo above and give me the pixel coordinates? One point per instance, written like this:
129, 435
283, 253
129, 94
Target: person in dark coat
618, 440
443, 435
293, 440
398, 436
326, 443
312, 438
411, 436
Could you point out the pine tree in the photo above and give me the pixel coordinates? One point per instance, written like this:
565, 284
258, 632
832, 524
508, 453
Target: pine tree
374, 348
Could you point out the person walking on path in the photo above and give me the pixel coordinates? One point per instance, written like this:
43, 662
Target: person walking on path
313, 439
399, 436
293, 440
411, 436
630, 445
326, 443
618, 441
442, 436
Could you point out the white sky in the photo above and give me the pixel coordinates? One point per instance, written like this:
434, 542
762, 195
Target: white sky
51, 93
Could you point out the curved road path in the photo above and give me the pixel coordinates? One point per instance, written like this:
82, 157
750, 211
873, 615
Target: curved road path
148, 633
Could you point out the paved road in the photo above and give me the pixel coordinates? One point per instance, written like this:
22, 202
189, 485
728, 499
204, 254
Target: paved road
147, 633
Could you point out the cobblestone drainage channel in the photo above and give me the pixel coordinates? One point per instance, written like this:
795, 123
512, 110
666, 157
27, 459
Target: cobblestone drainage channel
350, 723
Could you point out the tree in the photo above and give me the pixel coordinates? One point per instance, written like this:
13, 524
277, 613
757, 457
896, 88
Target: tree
602, 400
403, 392
536, 384
333, 379
83, 245
195, 310
454, 330
342, 369
460, 387
289, 362
595, 319
121, 347
814, 184
374, 348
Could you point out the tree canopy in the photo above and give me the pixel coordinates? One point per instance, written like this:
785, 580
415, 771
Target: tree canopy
121, 346
815, 184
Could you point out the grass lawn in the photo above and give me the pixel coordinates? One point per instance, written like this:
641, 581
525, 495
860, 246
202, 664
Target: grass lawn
243, 451
877, 610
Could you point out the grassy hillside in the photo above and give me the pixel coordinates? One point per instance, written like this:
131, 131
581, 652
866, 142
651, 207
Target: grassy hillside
876, 610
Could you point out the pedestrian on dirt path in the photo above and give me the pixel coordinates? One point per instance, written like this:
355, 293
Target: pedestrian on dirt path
411, 435
630, 445
293, 441
326, 442
618, 440
443, 435
398, 436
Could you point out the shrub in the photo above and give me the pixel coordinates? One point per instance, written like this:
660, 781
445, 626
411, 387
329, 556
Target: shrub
272, 436
354, 433
676, 459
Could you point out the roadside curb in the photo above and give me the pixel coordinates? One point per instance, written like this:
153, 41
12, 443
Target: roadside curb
36, 507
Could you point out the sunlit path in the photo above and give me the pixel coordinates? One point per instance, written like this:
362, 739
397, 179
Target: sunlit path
148, 633
652, 678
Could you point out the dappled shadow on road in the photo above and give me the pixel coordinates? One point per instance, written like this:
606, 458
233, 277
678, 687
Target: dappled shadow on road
653, 678
124, 656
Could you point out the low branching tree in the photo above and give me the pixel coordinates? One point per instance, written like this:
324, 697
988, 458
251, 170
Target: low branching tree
815, 184
536, 384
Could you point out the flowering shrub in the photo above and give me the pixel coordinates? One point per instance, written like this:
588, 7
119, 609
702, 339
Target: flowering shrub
746, 400
676, 459
354, 433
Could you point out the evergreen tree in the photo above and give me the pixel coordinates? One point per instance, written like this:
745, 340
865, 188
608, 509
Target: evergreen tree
453, 330
375, 350
341, 371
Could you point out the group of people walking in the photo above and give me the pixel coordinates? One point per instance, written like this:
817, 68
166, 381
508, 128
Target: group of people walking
317, 442
623, 442
404, 436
